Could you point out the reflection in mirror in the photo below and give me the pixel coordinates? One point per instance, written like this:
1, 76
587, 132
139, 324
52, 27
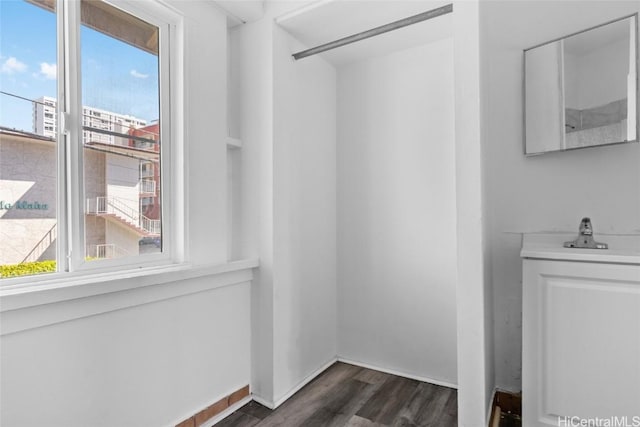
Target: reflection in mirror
581, 91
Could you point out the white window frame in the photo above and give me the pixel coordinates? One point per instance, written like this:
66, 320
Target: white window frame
71, 263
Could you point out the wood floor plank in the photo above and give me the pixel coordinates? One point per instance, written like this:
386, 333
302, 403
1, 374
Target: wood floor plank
303, 404
415, 405
238, 419
357, 421
336, 373
372, 377
434, 412
256, 410
341, 404
450, 416
350, 396
391, 397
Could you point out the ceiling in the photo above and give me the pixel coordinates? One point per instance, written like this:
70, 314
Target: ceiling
328, 20
241, 11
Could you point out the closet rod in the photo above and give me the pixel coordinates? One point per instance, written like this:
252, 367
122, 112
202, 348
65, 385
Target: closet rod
375, 31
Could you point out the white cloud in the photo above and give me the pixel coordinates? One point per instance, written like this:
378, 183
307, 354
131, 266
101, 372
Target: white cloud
138, 75
49, 71
12, 65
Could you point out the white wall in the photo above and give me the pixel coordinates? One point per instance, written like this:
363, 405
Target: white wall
597, 77
548, 192
304, 197
474, 309
205, 128
159, 362
122, 237
287, 127
603, 75
122, 176
397, 212
252, 51
149, 365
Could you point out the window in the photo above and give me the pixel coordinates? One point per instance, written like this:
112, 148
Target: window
74, 197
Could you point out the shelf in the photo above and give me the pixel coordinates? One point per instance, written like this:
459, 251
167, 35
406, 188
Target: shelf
233, 143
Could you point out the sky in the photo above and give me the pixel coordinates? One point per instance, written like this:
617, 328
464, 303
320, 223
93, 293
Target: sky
115, 76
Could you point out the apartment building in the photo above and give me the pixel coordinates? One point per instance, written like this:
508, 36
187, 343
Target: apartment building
121, 181
45, 122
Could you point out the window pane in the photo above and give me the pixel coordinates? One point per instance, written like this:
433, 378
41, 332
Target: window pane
28, 153
121, 133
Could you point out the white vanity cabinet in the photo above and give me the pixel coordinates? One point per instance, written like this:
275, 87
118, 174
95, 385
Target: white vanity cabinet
581, 332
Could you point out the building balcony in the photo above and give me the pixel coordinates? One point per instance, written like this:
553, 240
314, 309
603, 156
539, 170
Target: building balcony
147, 186
106, 251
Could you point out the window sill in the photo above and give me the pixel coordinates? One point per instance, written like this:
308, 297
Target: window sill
53, 301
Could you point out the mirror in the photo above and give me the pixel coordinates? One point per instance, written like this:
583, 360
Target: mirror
582, 90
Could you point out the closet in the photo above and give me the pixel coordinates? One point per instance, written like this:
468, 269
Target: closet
351, 172
395, 179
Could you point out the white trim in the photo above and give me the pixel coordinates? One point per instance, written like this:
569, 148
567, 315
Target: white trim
62, 172
72, 287
262, 401
30, 310
399, 374
274, 404
38, 316
490, 408
71, 220
180, 230
75, 219
304, 382
164, 20
301, 10
224, 414
508, 390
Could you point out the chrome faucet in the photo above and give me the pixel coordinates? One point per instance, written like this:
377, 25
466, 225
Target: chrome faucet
585, 237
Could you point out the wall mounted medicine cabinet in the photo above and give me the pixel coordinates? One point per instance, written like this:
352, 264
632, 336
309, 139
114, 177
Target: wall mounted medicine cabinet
582, 90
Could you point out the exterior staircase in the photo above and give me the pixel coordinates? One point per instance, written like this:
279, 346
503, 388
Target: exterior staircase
42, 245
118, 210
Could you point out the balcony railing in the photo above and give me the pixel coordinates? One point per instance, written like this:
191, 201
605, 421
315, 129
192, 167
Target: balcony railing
152, 226
146, 171
109, 205
147, 186
42, 245
106, 251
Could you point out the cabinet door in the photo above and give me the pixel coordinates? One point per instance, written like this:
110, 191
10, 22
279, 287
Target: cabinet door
581, 342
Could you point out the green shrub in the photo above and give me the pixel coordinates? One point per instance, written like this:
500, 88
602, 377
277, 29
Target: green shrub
27, 268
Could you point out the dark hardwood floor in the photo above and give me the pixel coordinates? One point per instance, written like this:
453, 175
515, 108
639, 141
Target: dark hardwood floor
351, 396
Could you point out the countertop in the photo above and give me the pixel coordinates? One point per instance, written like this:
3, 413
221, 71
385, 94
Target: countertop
623, 249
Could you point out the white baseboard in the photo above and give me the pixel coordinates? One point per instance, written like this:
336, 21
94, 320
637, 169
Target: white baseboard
509, 390
400, 374
224, 414
264, 402
303, 383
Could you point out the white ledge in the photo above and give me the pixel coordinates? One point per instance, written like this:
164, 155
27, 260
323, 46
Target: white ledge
60, 300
